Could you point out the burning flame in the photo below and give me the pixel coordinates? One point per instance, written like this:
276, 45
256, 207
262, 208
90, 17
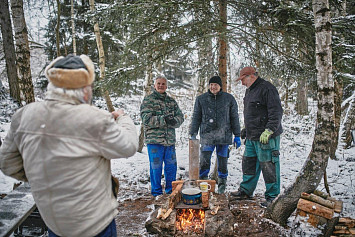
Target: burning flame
190, 220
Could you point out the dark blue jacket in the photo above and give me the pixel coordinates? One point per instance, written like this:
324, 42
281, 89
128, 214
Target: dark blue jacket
217, 118
262, 109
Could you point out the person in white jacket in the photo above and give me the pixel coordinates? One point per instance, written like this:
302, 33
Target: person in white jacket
63, 145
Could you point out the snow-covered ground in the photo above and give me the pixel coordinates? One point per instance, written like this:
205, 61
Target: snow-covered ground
296, 144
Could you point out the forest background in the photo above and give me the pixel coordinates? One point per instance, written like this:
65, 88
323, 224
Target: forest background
305, 48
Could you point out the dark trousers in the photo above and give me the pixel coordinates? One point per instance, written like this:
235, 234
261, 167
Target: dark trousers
109, 231
205, 160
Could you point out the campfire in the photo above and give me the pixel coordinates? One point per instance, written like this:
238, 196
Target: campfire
173, 217
190, 221
191, 209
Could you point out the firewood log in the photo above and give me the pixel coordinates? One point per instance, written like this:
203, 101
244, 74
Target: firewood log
319, 200
315, 208
167, 214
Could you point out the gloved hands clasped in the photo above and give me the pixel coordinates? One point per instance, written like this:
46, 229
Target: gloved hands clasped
237, 142
265, 136
170, 120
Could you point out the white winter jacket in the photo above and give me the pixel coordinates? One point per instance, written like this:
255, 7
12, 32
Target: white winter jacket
63, 149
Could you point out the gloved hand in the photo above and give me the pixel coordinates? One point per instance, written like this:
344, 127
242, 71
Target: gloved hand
193, 137
243, 134
237, 142
169, 119
264, 137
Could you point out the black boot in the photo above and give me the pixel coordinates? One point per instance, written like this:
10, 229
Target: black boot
222, 185
239, 195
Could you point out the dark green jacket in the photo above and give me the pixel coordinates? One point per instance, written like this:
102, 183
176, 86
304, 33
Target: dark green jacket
153, 110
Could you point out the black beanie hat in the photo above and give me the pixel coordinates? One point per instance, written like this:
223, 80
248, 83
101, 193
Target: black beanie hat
216, 79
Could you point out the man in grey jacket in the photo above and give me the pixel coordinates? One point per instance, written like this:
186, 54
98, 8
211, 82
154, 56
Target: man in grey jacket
62, 146
216, 116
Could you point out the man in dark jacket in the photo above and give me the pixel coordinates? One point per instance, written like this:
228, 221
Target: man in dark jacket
262, 118
216, 116
161, 115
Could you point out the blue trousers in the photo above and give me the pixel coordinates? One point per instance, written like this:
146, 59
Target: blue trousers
159, 154
109, 231
205, 160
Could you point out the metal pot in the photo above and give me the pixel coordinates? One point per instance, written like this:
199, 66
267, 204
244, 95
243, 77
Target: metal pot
191, 196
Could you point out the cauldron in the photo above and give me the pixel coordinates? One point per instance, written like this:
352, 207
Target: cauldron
191, 194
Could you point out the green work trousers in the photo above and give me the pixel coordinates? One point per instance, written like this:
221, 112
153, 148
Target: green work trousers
263, 158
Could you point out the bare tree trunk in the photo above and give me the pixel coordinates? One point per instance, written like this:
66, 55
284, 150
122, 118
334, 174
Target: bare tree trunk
73, 27
147, 91
349, 120
313, 170
338, 97
230, 77
9, 50
301, 102
101, 59
205, 62
57, 39
205, 51
222, 62
285, 84
22, 51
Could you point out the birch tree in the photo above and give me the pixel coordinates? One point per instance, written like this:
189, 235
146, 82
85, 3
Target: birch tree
147, 90
22, 51
73, 27
315, 166
57, 39
101, 59
9, 50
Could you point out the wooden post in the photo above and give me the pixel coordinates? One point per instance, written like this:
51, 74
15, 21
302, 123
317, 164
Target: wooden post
194, 152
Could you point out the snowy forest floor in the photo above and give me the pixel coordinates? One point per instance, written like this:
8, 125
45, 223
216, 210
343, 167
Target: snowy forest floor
133, 214
135, 201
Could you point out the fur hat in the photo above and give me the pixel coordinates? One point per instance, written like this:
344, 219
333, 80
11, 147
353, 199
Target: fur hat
216, 79
71, 72
247, 71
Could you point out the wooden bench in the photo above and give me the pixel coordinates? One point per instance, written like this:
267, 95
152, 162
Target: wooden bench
15, 208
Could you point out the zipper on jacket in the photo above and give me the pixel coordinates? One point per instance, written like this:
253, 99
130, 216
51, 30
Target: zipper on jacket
167, 129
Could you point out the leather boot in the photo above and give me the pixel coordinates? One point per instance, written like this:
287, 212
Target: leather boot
221, 185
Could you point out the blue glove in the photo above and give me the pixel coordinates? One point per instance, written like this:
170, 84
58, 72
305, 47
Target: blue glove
237, 142
193, 137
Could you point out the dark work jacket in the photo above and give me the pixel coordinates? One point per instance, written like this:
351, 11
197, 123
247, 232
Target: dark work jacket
262, 109
217, 118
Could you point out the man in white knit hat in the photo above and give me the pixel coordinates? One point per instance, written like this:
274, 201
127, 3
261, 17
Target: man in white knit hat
62, 146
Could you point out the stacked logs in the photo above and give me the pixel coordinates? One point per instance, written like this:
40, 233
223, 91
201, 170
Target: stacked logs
345, 227
319, 208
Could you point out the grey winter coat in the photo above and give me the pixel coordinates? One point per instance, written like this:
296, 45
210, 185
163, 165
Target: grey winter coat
216, 116
63, 149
